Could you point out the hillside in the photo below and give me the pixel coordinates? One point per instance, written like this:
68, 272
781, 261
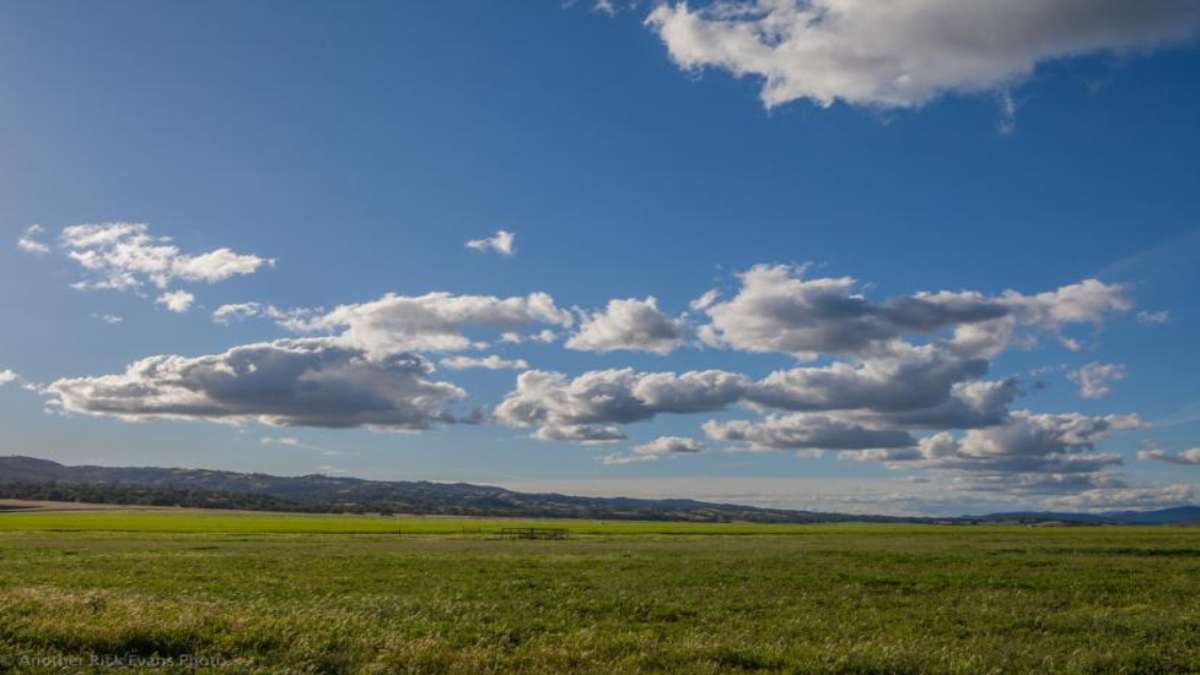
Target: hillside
31, 478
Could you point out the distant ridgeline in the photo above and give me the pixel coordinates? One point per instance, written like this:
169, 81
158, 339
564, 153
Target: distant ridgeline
42, 480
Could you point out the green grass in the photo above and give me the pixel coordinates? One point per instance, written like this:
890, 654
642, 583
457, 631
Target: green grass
345, 594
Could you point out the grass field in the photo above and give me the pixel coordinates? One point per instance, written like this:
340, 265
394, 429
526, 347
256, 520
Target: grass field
264, 593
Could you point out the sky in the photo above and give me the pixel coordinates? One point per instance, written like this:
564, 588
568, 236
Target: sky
908, 257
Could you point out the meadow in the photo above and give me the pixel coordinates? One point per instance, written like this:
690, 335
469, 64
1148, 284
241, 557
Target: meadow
336, 594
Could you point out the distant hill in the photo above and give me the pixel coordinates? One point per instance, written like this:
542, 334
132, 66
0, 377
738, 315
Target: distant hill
31, 478
1171, 516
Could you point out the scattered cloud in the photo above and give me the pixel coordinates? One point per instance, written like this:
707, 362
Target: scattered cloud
1191, 456
633, 325
110, 319
176, 301
618, 458
291, 319
1154, 318
30, 241
1132, 498
670, 445
125, 256
905, 53
503, 242
7, 376
491, 362
1095, 379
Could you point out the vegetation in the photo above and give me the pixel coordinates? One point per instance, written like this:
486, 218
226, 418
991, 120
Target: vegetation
260, 593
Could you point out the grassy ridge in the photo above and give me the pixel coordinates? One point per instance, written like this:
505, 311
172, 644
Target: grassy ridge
299, 597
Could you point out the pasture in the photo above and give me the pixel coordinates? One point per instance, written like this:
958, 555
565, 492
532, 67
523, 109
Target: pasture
333, 594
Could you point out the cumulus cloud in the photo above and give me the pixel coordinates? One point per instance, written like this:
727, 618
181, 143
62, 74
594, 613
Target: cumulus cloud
1027, 443
635, 325
176, 301
914, 387
490, 362
7, 376
799, 431
1191, 456
125, 256
663, 446
1095, 379
669, 445
503, 242
30, 241
430, 322
777, 309
904, 53
307, 382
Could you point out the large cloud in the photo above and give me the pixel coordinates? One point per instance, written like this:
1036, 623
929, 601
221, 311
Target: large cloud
431, 322
632, 324
308, 382
1026, 443
777, 309
925, 387
903, 53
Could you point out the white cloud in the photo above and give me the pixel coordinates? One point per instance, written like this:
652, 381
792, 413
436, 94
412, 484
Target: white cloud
904, 53
670, 445
7, 376
176, 301
490, 362
503, 242
124, 256
705, 301
430, 322
1191, 456
1027, 443
292, 319
309, 382
1095, 379
110, 319
804, 431
1133, 498
236, 312
1154, 318
281, 440
634, 325
618, 458
663, 446
914, 387
30, 243
777, 309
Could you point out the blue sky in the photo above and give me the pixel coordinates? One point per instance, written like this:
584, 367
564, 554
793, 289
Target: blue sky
333, 155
